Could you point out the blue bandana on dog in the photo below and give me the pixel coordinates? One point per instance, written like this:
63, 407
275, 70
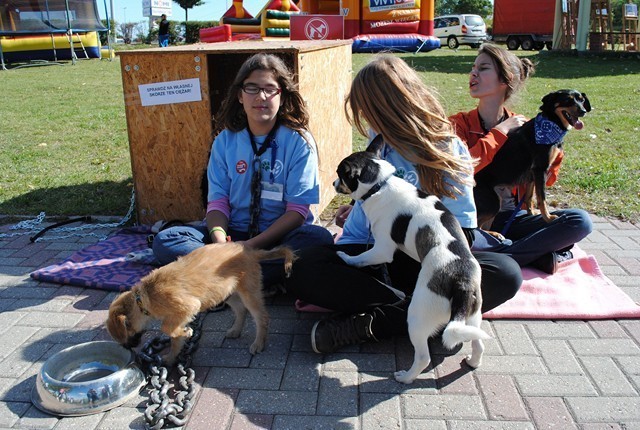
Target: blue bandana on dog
547, 132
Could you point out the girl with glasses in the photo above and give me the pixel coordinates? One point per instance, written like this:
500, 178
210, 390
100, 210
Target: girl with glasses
262, 173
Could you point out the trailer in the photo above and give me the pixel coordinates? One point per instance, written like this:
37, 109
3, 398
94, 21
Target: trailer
526, 24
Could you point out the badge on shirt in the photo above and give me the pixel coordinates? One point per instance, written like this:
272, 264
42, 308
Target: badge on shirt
241, 167
272, 191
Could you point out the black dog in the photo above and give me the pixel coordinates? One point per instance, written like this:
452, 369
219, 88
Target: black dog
528, 152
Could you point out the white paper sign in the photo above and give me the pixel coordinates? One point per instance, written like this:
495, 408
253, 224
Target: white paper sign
163, 93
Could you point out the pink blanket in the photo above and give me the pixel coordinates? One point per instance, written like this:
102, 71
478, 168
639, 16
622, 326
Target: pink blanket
578, 290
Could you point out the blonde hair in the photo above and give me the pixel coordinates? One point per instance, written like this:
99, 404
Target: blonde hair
388, 96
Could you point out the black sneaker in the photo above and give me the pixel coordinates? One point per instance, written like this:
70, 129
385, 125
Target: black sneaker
564, 256
548, 263
331, 334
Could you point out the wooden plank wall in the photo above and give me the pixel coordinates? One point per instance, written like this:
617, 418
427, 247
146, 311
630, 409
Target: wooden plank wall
325, 80
169, 144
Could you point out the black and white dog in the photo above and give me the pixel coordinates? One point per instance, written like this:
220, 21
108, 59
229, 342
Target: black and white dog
447, 292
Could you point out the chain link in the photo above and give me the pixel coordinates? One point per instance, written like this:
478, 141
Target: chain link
161, 408
34, 225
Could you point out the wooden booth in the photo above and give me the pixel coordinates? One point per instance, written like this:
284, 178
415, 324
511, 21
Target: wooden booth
172, 94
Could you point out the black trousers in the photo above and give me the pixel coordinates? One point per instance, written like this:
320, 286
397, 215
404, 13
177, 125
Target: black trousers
322, 278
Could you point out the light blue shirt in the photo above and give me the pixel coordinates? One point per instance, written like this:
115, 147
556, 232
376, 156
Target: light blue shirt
356, 227
289, 175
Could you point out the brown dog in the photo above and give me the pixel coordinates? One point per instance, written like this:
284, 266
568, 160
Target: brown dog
177, 292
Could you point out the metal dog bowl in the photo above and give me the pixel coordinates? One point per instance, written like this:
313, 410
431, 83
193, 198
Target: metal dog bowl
86, 379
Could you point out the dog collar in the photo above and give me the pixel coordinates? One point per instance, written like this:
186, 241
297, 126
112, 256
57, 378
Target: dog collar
374, 189
547, 132
139, 303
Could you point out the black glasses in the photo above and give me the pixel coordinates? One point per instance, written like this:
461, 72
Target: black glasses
254, 89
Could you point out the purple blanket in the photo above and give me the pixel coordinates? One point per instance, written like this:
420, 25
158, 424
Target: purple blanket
102, 265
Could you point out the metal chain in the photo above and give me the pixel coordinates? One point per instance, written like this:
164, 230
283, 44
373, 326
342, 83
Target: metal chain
34, 225
161, 408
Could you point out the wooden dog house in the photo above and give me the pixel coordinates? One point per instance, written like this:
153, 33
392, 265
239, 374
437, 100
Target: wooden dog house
172, 94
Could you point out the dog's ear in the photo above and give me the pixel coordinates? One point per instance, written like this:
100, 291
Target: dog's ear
548, 102
376, 145
348, 170
348, 174
586, 104
370, 172
120, 327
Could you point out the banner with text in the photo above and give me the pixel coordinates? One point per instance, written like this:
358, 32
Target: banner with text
163, 93
379, 5
156, 7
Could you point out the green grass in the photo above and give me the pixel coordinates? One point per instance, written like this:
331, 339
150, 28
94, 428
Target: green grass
64, 141
65, 149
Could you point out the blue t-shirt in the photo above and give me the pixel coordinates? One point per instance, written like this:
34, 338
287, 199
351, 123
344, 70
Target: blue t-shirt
289, 175
356, 227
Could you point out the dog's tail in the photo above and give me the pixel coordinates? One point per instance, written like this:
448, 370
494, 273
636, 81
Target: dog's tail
457, 330
275, 253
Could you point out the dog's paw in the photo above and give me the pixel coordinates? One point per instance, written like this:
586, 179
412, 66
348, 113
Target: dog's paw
256, 347
288, 268
351, 260
473, 362
346, 258
497, 235
403, 376
188, 331
233, 333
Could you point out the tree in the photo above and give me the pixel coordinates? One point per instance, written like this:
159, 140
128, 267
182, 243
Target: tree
186, 5
129, 29
483, 8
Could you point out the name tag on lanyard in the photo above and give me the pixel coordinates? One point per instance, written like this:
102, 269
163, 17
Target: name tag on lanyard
272, 191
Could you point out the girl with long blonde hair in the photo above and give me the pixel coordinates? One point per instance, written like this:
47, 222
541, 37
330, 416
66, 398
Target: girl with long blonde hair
389, 99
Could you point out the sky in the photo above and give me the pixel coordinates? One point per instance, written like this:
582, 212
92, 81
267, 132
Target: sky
131, 10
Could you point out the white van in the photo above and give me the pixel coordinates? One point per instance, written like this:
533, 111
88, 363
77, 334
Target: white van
455, 30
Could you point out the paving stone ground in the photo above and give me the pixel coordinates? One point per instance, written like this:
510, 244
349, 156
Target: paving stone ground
535, 375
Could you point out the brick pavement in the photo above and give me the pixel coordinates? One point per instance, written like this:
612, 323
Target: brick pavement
535, 375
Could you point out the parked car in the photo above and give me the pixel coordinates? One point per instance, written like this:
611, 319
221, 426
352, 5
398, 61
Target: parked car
456, 30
